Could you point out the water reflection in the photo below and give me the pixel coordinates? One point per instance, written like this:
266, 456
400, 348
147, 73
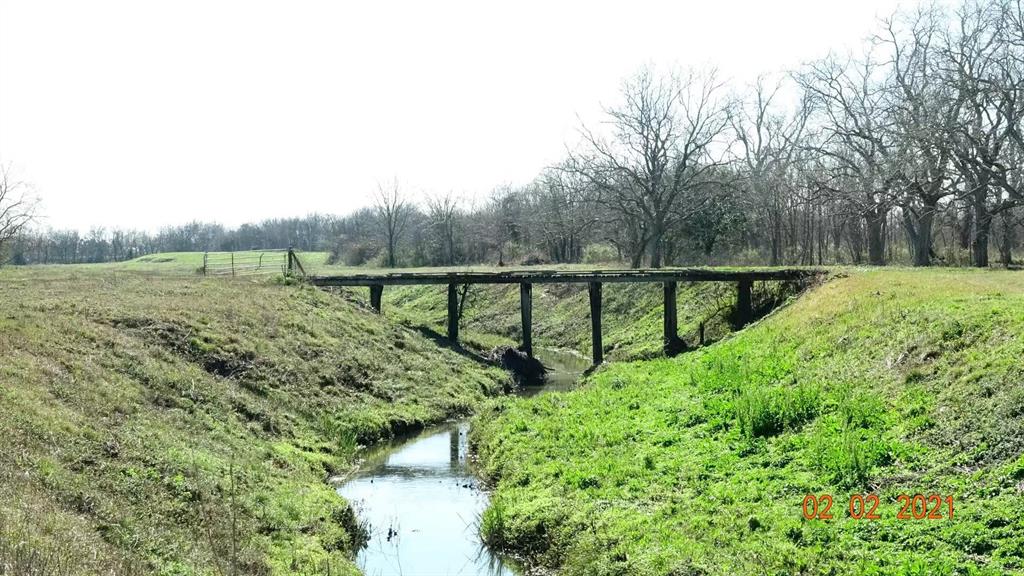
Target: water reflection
422, 500
565, 368
423, 503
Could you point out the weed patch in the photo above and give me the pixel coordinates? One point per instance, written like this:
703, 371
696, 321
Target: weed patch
769, 411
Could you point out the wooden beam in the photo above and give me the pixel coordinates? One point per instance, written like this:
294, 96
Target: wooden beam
526, 311
744, 304
595, 323
566, 276
453, 312
671, 319
376, 291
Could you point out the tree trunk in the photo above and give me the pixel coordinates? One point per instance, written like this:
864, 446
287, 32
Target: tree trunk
636, 258
967, 227
921, 232
776, 240
1006, 245
451, 247
874, 220
856, 241
657, 244
982, 227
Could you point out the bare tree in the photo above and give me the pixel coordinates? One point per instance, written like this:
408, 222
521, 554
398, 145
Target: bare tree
393, 215
848, 99
17, 208
443, 212
500, 225
564, 212
924, 110
661, 151
769, 143
985, 68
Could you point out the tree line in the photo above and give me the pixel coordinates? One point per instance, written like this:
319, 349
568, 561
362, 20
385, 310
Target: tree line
908, 152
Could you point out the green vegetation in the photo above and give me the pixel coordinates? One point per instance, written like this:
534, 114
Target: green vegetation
190, 263
180, 425
886, 382
632, 318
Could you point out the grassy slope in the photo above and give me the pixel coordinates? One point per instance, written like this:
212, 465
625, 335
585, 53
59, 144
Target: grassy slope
885, 381
144, 419
632, 312
632, 317
187, 263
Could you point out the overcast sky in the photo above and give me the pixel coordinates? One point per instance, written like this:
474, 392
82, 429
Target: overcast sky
143, 113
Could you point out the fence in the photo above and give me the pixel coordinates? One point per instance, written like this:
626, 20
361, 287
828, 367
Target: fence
251, 263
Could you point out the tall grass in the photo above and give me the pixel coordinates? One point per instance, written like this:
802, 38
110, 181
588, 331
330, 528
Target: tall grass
767, 411
493, 525
25, 551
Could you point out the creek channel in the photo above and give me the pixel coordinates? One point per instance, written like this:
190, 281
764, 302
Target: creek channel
422, 500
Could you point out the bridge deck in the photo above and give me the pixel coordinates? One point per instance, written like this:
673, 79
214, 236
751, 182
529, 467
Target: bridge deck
744, 280
564, 276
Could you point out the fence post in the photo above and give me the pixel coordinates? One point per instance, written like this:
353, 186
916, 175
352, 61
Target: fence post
232, 263
291, 257
205, 256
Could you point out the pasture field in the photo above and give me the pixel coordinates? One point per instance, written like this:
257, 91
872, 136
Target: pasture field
191, 263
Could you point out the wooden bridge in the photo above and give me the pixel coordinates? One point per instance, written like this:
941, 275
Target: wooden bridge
668, 277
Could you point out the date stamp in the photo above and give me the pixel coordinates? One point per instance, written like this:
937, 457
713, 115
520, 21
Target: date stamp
866, 507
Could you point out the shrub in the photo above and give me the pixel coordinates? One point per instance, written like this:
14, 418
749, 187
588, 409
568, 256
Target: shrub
599, 254
352, 253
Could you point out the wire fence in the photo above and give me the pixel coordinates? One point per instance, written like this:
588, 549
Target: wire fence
251, 263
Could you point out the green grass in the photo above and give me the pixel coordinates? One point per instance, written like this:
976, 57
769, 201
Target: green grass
190, 263
632, 316
632, 312
172, 424
885, 381
178, 263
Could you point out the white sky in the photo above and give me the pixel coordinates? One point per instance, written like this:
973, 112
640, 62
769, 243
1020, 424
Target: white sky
141, 113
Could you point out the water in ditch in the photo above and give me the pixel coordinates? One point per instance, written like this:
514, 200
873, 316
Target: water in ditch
422, 500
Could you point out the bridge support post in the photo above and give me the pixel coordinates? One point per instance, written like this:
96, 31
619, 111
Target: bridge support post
671, 319
744, 305
376, 291
526, 311
453, 313
595, 323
